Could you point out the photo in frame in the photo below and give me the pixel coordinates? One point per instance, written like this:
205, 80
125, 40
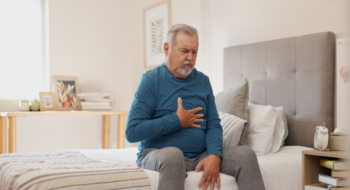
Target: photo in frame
156, 22
66, 90
48, 101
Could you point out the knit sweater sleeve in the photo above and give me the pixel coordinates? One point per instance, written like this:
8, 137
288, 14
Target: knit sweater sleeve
140, 124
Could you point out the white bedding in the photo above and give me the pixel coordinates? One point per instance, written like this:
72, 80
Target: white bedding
281, 170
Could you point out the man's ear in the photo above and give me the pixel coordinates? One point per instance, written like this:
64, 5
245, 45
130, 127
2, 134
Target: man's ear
166, 48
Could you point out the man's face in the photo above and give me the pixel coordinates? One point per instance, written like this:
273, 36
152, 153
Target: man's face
181, 58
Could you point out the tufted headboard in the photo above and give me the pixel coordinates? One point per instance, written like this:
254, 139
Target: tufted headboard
297, 73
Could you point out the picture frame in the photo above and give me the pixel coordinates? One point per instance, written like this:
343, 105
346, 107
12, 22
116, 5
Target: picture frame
48, 101
66, 90
156, 22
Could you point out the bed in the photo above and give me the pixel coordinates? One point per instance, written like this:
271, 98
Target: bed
297, 73
274, 168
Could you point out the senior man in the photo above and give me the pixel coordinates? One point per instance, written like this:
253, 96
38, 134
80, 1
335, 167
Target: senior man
174, 118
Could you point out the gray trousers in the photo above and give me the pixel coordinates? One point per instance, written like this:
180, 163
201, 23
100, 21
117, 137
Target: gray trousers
238, 161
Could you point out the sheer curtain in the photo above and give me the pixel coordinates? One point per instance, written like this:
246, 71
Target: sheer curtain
21, 65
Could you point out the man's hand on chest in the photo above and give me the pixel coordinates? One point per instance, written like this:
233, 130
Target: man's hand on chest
188, 118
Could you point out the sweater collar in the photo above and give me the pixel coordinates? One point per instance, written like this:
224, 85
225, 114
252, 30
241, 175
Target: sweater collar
189, 78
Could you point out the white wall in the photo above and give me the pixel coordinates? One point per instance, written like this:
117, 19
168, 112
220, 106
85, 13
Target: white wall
235, 22
90, 39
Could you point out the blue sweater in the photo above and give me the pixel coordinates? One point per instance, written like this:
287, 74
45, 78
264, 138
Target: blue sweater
153, 121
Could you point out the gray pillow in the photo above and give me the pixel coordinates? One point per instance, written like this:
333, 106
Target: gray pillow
280, 113
235, 102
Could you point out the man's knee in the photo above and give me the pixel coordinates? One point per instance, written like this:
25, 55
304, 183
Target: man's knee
247, 152
239, 154
171, 156
237, 159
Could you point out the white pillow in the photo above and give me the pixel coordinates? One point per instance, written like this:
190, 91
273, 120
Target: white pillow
266, 129
232, 128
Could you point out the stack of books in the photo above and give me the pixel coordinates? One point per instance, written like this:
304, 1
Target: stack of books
95, 101
339, 178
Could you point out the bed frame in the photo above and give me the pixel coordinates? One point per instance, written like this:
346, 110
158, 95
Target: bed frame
297, 73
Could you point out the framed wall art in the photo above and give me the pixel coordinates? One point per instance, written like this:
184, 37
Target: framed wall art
66, 90
156, 22
48, 101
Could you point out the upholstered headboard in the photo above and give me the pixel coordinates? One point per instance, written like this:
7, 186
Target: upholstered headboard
297, 73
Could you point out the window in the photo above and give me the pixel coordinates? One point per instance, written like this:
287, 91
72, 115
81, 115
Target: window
21, 66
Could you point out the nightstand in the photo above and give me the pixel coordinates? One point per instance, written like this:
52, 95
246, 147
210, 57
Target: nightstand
312, 167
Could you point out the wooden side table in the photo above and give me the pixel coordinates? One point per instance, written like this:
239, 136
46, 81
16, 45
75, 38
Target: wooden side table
312, 167
12, 136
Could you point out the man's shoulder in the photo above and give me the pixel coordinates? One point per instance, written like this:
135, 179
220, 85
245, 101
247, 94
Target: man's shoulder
200, 74
154, 72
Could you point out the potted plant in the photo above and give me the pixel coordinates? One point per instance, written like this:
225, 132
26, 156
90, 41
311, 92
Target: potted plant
35, 105
24, 105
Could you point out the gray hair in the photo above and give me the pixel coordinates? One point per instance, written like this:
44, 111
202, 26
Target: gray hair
171, 36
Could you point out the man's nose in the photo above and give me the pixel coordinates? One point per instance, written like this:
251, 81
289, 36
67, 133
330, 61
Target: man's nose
190, 56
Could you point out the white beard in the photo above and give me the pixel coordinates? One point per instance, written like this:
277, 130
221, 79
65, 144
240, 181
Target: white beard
186, 71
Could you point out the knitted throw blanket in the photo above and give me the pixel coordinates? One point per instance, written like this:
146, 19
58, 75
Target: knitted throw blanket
67, 170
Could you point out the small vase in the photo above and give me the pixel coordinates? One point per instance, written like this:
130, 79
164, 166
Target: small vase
24, 106
34, 106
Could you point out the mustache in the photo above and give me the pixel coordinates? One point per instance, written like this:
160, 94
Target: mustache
187, 63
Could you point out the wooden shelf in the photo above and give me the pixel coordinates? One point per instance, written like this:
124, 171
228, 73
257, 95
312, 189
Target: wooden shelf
58, 113
97, 100
12, 133
319, 185
328, 153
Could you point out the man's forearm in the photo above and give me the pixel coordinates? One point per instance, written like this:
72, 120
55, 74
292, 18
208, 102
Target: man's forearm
138, 130
214, 137
213, 141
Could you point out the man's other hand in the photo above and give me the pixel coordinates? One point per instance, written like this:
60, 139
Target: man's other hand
188, 118
211, 174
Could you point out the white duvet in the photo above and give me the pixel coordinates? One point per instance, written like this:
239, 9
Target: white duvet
281, 170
